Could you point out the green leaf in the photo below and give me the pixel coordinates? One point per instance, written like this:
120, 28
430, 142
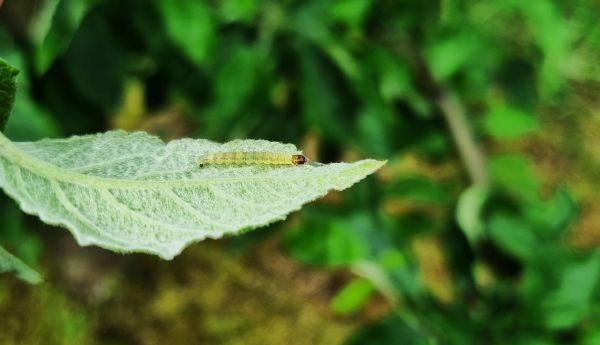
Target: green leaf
391, 329
419, 189
239, 10
96, 63
469, 212
308, 22
16, 235
514, 235
352, 296
447, 56
395, 78
190, 26
513, 174
553, 35
28, 121
8, 88
322, 99
10, 263
591, 337
506, 122
131, 192
350, 12
235, 81
323, 239
54, 27
374, 131
553, 216
572, 300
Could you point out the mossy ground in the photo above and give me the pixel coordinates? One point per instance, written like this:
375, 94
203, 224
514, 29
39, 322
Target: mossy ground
204, 296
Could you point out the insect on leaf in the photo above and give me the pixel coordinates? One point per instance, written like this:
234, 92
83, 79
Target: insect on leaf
132, 192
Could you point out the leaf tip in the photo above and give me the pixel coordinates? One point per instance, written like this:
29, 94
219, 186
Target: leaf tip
31, 277
373, 164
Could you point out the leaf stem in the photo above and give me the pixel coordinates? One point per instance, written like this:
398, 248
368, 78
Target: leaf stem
454, 114
472, 157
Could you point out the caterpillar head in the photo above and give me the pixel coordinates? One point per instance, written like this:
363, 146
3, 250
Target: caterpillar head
298, 159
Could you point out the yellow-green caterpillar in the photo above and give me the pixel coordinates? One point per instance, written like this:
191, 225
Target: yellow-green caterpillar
252, 157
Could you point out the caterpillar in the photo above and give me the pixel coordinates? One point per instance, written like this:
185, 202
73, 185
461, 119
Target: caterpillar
252, 157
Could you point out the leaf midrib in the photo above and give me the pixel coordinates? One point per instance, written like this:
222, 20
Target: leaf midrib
38, 167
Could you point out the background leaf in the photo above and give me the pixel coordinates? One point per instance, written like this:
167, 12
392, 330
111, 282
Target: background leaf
53, 29
505, 122
28, 121
352, 296
10, 263
95, 63
190, 26
391, 329
570, 302
331, 241
8, 88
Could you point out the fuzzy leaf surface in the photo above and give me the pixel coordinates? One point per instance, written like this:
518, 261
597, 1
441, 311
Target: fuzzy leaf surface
8, 87
131, 192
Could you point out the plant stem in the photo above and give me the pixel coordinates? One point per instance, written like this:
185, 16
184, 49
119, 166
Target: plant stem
454, 114
472, 157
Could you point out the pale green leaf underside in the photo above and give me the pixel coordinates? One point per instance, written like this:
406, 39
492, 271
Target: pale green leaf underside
9, 263
132, 192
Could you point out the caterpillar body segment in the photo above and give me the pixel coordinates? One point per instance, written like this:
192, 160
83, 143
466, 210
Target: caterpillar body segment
248, 158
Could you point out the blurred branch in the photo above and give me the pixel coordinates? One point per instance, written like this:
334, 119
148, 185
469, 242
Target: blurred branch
454, 114
472, 157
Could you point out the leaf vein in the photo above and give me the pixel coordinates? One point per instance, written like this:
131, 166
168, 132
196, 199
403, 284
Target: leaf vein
194, 211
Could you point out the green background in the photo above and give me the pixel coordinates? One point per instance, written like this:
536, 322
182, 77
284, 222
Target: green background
416, 254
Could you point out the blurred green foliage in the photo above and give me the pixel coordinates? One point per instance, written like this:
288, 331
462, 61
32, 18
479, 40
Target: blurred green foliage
7, 91
353, 78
